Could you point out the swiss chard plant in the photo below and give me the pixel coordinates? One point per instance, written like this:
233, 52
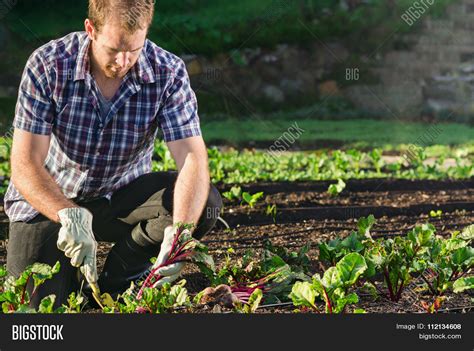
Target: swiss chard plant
333, 288
337, 188
447, 263
251, 199
15, 298
14, 295
332, 251
235, 192
165, 299
396, 259
297, 260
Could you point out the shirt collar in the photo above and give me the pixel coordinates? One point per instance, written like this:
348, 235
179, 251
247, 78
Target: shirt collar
82, 62
142, 70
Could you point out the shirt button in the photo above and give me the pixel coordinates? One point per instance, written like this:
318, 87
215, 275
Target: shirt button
97, 153
100, 125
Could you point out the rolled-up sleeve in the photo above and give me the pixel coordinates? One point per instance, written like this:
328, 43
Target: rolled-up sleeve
34, 108
178, 117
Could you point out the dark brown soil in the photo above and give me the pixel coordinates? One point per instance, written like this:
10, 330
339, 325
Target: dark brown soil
305, 205
383, 198
295, 234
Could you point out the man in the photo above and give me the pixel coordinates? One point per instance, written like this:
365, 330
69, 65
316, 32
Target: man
89, 108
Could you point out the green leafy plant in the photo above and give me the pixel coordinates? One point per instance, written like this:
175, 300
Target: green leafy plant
297, 260
333, 250
376, 158
234, 193
154, 300
251, 199
166, 161
271, 211
333, 287
463, 284
14, 295
446, 263
395, 259
336, 189
436, 214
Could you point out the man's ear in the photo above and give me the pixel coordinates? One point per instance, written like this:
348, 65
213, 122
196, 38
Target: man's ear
89, 27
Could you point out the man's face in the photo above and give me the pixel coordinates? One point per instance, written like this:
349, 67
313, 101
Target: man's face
115, 50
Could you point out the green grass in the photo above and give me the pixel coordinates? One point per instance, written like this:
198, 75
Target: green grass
354, 132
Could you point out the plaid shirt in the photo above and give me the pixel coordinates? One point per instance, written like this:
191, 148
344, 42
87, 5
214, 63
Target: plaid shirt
90, 156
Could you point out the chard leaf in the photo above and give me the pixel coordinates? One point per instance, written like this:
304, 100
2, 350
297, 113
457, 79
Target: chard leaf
463, 284
463, 257
254, 301
46, 304
454, 244
179, 295
303, 294
350, 268
364, 225
25, 309
343, 300
327, 252
42, 272
331, 278
202, 257
275, 262
371, 268
353, 243
419, 265
468, 233
8, 296
335, 189
422, 235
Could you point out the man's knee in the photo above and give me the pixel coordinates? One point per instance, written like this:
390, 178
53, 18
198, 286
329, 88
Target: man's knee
150, 231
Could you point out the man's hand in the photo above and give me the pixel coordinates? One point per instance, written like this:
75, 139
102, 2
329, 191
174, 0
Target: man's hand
77, 240
170, 272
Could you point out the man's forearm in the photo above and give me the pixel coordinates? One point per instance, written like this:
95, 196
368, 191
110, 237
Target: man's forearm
191, 190
37, 186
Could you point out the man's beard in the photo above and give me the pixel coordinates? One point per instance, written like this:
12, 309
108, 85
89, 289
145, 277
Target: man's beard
111, 73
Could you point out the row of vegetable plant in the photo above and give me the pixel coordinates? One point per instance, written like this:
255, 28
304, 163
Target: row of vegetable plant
384, 267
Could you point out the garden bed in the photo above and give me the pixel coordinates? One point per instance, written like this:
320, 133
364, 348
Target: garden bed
311, 200
307, 214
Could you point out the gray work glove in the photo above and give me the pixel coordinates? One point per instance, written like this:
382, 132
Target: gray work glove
77, 240
171, 272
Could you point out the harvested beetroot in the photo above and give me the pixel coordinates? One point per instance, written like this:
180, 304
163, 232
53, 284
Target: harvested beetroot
221, 295
183, 249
